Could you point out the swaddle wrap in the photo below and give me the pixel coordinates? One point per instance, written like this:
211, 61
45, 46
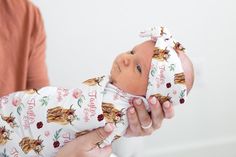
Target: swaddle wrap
37, 123
166, 76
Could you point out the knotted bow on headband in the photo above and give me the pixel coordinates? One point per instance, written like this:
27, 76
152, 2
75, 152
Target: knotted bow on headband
166, 77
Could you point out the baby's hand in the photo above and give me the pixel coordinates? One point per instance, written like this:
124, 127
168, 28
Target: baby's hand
142, 123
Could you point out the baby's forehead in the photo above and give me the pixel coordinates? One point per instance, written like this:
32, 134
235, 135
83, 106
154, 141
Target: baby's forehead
145, 44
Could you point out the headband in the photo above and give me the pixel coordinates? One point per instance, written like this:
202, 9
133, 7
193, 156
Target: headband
166, 76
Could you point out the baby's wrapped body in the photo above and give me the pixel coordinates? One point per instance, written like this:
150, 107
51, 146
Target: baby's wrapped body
38, 123
35, 123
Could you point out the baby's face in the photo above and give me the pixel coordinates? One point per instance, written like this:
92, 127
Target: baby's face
130, 70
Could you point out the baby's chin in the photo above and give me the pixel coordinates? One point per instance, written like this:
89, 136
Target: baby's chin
114, 81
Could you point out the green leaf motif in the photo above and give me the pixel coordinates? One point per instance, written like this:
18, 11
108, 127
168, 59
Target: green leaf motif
150, 83
80, 101
182, 93
44, 101
19, 109
4, 154
172, 67
56, 135
153, 71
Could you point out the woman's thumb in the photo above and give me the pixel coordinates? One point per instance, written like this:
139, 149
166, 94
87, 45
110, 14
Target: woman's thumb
97, 135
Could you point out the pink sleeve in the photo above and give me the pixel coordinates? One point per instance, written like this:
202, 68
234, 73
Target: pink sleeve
37, 76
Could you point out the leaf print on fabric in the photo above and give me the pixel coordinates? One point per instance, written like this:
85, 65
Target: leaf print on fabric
44, 101
172, 67
4, 154
17, 102
77, 94
153, 71
181, 96
80, 101
56, 136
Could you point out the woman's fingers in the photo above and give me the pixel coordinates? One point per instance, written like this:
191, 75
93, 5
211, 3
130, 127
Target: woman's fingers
143, 116
141, 122
168, 110
156, 112
134, 128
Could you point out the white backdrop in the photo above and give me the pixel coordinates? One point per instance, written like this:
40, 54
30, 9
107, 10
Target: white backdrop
83, 37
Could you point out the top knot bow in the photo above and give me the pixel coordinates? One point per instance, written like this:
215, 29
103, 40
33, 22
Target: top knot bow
162, 37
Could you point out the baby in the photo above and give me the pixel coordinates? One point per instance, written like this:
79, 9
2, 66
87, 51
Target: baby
38, 123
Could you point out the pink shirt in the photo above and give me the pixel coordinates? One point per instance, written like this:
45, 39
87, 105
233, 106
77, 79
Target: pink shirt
22, 47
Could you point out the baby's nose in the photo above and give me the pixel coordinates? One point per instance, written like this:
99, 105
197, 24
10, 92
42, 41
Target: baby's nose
126, 61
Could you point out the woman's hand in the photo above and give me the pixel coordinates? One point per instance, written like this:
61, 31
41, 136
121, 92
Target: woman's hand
142, 123
86, 145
